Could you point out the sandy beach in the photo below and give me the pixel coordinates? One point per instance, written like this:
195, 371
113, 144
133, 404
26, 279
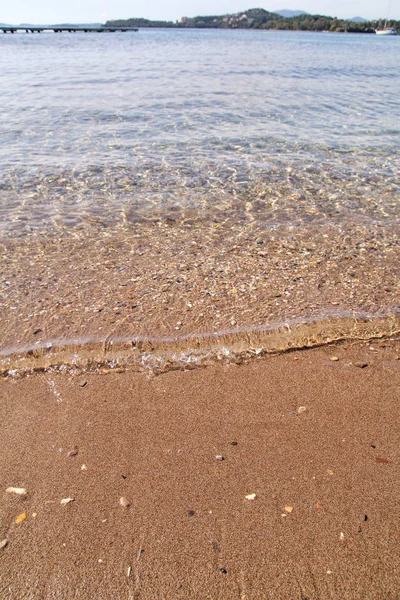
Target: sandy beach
309, 437
199, 315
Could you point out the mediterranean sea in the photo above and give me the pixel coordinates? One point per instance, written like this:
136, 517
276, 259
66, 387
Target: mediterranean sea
190, 185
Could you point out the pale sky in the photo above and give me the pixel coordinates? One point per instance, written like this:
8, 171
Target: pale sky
86, 11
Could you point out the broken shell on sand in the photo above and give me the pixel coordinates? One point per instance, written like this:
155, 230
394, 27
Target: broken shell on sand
19, 491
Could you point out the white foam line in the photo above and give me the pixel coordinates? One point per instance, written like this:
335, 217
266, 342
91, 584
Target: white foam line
57, 344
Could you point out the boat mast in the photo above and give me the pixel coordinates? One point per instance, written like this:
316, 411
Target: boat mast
387, 15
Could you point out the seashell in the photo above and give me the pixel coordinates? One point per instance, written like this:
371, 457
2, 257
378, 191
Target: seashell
18, 491
251, 496
65, 501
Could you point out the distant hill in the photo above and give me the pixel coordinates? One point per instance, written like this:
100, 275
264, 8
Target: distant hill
291, 13
358, 20
258, 18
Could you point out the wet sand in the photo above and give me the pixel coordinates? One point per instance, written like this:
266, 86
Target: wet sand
324, 522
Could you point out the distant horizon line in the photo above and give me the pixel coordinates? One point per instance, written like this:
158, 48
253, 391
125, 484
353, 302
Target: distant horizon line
100, 24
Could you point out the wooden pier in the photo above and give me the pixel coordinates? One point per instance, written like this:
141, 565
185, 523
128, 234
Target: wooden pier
55, 29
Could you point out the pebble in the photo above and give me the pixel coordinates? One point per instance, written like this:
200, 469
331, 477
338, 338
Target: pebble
190, 513
19, 491
73, 452
219, 457
124, 502
334, 358
288, 508
3, 544
83, 383
360, 365
224, 571
20, 518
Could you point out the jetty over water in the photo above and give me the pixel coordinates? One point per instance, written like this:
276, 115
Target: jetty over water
72, 29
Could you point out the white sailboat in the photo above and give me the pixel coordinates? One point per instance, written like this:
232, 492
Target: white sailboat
387, 30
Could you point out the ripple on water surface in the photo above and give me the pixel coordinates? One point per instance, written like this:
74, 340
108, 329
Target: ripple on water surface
202, 192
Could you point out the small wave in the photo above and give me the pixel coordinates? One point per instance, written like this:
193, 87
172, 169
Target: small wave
161, 354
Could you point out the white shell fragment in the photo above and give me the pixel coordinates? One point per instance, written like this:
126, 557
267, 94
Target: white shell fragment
251, 496
3, 544
124, 502
65, 501
15, 490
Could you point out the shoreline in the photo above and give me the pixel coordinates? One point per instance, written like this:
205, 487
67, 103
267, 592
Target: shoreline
311, 433
162, 354
165, 280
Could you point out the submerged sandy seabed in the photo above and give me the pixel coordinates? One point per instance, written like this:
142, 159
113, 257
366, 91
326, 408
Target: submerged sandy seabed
202, 287
273, 479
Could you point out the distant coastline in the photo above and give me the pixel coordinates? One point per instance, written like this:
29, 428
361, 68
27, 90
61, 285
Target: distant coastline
258, 18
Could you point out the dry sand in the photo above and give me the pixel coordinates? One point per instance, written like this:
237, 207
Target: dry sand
325, 520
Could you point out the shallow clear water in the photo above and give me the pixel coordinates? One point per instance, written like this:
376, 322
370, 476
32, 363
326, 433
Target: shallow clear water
113, 127
184, 184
